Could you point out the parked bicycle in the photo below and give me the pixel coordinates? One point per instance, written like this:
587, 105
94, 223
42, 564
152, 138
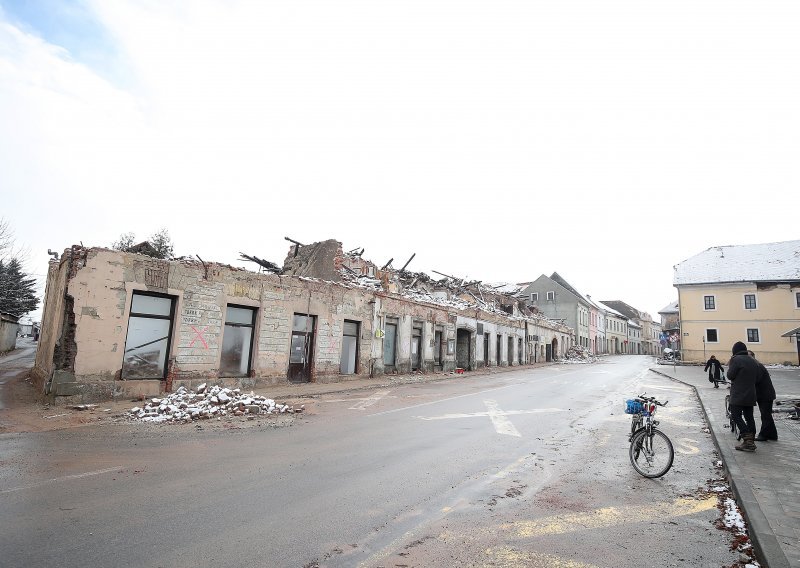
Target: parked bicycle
651, 451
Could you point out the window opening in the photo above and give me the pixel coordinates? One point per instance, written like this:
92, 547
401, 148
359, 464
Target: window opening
709, 302
752, 336
349, 357
148, 341
389, 343
237, 341
750, 301
711, 336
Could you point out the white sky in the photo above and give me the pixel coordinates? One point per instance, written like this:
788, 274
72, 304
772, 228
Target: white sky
499, 140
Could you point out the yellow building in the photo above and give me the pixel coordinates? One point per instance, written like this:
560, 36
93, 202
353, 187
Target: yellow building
748, 293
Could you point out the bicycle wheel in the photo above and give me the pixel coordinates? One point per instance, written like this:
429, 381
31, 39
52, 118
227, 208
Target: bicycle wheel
651, 453
729, 416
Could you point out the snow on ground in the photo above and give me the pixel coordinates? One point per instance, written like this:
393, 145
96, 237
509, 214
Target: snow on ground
204, 403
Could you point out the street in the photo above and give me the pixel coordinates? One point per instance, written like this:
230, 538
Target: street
523, 468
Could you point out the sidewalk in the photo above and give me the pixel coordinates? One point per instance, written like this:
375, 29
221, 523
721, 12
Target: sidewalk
766, 482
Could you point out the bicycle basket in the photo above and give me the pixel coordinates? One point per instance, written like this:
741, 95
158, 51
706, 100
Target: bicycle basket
633, 407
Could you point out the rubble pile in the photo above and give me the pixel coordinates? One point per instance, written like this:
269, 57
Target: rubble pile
579, 354
204, 403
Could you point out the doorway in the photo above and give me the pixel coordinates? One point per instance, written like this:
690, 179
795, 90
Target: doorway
416, 346
463, 351
302, 348
390, 344
437, 349
485, 349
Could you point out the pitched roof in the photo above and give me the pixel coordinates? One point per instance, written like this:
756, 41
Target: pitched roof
767, 262
626, 310
671, 308
556, 277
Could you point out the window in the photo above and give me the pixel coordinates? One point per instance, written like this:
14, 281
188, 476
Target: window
149, 332
347, 363
752, 336
749, 301
551, 296
711, 336
237, 341
709, 303
535, 297
797, 299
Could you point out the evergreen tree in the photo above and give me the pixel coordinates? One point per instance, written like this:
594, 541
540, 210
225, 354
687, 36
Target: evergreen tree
17, 290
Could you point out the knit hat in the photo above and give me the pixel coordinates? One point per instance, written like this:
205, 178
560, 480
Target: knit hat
739, 347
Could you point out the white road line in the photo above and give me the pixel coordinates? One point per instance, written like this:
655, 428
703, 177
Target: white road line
459, 396
370, 400
484, 414
502, 424
64, 478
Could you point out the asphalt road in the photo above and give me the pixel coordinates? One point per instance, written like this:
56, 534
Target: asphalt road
524, 468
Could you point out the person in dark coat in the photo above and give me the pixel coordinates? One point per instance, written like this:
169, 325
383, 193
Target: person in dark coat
743, 372
765, 394
714, 368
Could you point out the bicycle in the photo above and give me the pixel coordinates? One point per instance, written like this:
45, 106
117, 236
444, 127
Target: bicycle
651, 451
729, 416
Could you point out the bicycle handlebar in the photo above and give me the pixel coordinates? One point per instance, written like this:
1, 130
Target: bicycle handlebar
644, 398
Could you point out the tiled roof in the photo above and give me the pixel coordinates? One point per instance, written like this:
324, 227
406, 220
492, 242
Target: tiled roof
768, 262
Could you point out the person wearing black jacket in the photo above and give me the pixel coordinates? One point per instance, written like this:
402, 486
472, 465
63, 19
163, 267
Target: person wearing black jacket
743, 372
765, 394
714, 368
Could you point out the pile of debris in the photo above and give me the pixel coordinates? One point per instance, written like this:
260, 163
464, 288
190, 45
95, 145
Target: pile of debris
204, 403
579, 354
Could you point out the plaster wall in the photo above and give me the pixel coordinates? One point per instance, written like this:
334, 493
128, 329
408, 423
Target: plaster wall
8, 334
775, 314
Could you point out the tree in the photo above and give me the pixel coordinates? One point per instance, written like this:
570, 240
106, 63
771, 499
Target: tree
159, 245
17, 290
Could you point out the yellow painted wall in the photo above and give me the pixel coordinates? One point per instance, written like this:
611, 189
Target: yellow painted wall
775, 314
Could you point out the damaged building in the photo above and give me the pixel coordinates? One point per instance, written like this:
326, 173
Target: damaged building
119, 324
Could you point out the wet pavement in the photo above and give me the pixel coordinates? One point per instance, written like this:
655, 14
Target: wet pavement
766, 482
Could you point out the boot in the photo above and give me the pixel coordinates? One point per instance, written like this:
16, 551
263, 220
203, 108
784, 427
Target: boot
748, 443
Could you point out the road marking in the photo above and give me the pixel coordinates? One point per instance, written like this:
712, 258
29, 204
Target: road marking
370, 400
610, 516
502, 425
459, 396
513, 558
64, 478
499, 418
686, 446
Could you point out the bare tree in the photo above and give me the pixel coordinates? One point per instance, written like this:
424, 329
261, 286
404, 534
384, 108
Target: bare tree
160, 244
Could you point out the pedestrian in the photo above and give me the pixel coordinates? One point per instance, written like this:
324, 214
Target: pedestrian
714, 368
743, 372
765, 394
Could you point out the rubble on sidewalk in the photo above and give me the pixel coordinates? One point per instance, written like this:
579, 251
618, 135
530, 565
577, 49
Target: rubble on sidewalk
205, 403
579, 354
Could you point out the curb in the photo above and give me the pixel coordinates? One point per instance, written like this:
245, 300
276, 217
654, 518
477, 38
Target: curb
765, 545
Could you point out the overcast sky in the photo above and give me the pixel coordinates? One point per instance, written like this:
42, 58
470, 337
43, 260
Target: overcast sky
497, 140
